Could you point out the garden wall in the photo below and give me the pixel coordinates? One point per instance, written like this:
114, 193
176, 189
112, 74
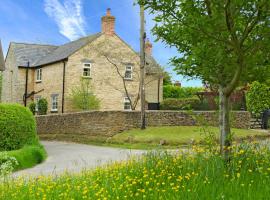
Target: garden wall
108, 123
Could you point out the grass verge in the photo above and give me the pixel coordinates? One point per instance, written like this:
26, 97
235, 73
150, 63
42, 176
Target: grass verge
200, 174
28, 156
150, 138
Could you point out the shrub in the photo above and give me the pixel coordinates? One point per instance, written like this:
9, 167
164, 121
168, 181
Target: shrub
179, 104
18, 127
32, 107
258, 98
83, 98
42, 106
7, 164
171, 91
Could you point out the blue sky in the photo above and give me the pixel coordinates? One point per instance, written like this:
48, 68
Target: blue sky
59, 21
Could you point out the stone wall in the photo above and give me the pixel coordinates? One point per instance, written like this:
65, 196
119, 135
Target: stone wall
108, 123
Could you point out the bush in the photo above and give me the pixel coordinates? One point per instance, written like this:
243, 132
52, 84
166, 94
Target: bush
18, 127
42, 106
32, 107
171, 91
179, 104
83, 98
258, 98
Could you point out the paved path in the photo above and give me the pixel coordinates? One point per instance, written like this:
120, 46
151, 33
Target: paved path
75, 157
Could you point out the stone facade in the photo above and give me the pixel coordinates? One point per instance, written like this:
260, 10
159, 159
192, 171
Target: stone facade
106, 78
109, 123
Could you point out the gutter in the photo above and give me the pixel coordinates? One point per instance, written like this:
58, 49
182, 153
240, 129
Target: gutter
26, 84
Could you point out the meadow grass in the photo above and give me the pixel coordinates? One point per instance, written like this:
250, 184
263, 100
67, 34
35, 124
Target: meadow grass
196, 174
28, 156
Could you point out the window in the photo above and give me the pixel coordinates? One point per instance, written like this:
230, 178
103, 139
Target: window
127, 105
128, 72
39, 75
87, 70
54, 103
37, 98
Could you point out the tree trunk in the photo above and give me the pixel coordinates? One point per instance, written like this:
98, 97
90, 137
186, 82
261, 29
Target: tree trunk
224, 123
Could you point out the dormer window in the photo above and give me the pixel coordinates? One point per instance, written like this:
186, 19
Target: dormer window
39, 75
128, 72
87, 70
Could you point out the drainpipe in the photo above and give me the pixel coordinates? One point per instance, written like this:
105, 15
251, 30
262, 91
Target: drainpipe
63, 89
26, 84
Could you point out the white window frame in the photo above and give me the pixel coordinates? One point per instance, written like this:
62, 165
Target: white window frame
54, 103
87, 67
39, 75
37, 98
129, 68
126, 101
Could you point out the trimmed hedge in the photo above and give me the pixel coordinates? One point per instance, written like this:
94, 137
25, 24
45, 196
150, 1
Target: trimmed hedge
17, 127
179, 104
258, 98
172, 91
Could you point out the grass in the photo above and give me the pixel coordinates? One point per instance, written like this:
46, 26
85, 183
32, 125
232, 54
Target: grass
173, 136
200, 174
28, 156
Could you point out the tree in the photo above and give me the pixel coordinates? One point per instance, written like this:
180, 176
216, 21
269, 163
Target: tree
222, 42
167, 79
83, 98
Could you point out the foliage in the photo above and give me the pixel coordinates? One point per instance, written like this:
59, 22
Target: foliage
171, 91
193, 174
83, 98
223, 43
32, 107
167, 79
179, 104
258, 98
42, 106
7, 164
18, 127
28, 156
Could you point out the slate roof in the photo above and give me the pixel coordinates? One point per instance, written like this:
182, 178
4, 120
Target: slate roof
30, 52
39, 55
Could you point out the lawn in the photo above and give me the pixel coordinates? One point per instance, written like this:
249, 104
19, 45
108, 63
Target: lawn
172, 136
196, 174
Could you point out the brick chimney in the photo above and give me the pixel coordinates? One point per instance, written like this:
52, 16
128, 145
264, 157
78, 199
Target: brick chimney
148, 47
108, 23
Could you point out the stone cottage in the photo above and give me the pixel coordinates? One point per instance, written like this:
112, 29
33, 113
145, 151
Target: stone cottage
34, 71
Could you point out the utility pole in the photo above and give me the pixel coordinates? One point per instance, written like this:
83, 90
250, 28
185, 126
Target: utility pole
142, 66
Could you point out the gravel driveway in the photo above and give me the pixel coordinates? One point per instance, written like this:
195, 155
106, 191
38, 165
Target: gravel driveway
71, 157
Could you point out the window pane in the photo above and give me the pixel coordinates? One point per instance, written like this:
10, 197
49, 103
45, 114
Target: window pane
128, 74
86, 72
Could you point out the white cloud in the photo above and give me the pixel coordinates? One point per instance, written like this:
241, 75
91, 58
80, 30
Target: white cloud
68, 16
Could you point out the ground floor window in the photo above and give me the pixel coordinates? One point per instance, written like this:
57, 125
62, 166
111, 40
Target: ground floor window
37, 98
127, 105
54, 107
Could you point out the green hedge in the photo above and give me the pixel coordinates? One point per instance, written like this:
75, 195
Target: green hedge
258, 98
18, 127
171, 91
179, 104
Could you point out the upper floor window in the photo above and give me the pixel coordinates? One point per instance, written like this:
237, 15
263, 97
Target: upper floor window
87, 70
127, 104
128, 72
54, 99
39, 75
